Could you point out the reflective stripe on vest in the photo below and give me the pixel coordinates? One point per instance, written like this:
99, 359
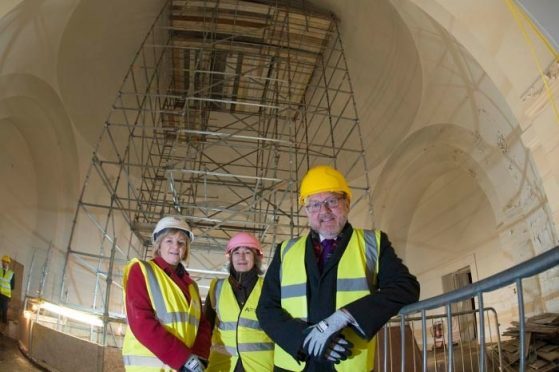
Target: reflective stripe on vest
158, 301
237, 331
134, 362
356, 278
6, 283
171, 309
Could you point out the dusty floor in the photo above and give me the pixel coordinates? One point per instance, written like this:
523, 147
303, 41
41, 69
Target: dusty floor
466, 359
11, 358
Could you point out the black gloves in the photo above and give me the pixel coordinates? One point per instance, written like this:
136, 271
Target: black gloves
324, 340
338, 349
321, 333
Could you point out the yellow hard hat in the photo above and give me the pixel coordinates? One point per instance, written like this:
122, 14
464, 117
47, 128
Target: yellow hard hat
322, 178
6, 259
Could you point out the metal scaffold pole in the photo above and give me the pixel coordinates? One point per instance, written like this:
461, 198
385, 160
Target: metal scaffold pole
223, 109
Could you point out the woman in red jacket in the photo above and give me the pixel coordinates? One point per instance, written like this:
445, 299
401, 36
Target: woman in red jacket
166, 327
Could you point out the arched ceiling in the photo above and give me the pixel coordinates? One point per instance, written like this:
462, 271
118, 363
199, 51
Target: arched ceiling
381, 54
385, 70
407, 71
96, 48
7, 5
39, 170
413, 64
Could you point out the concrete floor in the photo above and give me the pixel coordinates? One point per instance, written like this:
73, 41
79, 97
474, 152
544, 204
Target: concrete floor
11, 358
466, 359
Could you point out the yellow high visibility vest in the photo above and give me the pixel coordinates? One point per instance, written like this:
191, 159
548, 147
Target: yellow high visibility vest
357, 275
6, 283
237, 331
171, 309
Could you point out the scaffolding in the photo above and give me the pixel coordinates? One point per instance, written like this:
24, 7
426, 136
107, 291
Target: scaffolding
224, 108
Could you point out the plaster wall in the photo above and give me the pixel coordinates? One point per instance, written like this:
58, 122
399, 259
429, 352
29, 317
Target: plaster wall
35, 194
46, 148
476, 197
512, 57
455, 183
463, 172
51, 349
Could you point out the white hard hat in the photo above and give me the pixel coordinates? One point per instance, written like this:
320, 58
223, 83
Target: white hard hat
172, 222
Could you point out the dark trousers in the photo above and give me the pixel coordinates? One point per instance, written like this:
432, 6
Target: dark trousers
4, 308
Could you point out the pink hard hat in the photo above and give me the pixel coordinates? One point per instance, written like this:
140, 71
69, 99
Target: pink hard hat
244, 239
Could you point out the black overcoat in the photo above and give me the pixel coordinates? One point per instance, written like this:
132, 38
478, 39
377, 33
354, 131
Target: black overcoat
396, 288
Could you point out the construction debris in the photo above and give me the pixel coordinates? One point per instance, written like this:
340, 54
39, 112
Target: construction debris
541, 347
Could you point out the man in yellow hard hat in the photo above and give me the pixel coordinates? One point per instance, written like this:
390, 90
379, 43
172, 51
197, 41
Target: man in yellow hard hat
327, 294
7, 283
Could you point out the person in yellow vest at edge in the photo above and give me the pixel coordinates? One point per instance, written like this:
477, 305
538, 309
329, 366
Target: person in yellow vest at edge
167, 330
238, 342
327, 293
7, 284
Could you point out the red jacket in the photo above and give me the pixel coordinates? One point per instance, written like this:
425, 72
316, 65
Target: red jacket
147, 329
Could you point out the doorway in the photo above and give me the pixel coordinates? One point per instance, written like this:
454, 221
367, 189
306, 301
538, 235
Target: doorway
464, 327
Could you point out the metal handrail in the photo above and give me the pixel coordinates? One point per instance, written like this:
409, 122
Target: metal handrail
515, 274
401, 321
396, 319
531, 267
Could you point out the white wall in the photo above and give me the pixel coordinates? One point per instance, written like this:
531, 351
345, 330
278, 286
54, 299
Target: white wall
438, 86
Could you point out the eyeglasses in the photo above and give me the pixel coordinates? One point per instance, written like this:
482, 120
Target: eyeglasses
331, 203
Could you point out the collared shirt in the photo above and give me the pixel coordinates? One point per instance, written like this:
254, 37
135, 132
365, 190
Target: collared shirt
146, 327
317, 239
317, 247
